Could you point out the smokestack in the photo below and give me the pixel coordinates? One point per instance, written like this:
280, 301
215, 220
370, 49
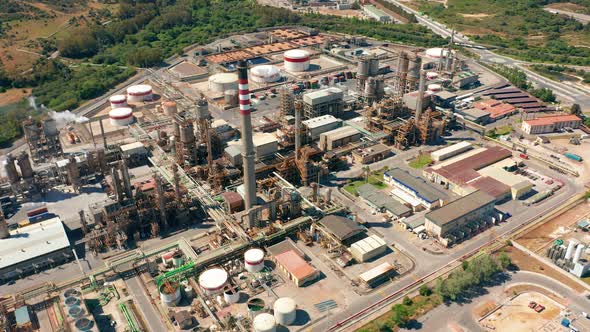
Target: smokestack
247, 144
4, 233
126, 178
297, 129
421, 88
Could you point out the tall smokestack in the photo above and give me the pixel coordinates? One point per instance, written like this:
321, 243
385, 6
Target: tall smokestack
297, 128
247, 144
421, 88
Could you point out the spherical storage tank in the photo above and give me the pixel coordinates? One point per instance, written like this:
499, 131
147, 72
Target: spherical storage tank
138, 93
223, 81
254, 260
213, 280
265, 74
296, 60
121, 116
264, 323
437, 52
118, 101
170, 294
285, 311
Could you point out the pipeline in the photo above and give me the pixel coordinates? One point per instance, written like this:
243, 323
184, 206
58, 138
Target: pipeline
130, 321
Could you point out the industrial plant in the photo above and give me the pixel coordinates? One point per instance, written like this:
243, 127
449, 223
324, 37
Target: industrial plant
205, 196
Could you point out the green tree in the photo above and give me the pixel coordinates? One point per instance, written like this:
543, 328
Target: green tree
425, 290
79, 44
407, 301
401, 315
505, 260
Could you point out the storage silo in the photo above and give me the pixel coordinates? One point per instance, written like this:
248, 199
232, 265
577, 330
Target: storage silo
254, 260
296, 60
362, 71
139, 93
170, 107
265, 74
264, 323
231, 294
285, 311
373, 66
118, 101
121, 116
213, 280
170, 294
222, 82
10, 169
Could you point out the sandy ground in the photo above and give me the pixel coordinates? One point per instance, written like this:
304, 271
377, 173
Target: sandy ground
476, 16
13, 96
566, 6
515, 315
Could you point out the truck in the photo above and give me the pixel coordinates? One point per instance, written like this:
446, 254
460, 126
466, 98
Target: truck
573, 156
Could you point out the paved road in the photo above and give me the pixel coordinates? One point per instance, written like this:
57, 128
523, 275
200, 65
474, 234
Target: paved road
582, 18
144, 305
439, 319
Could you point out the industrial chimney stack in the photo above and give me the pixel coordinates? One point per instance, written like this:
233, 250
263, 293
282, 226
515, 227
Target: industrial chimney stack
4, 232
247, 144
421, 88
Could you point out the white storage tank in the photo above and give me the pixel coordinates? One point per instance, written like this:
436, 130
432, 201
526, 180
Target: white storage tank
121, 116
264, 323
118, 101
285, 311
231, 294
170, 108
213, 280
139, 93
254, 260
434, 87
296, 60
170, 294
223, 81
431, 75
265, 74
437, 52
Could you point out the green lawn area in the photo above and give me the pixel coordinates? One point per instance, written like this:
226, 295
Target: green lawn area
500, 131
421, 161
376, 179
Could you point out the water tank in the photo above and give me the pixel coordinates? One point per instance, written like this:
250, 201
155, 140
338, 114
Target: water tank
264, 323
231, 294
230, 97
255, 305
265, 74
223, 81
373, 66
170, 294
578, 253
139, 93
570, 250
10, 169
118, 101
169, 107
213, 280
121, 116
50, 127
189, 292
72, 292
437, 52
24, 163
254, 260
431, 75
76, 311
434, 87
363, 68
285, 311
296, 60
72, 301
84, 324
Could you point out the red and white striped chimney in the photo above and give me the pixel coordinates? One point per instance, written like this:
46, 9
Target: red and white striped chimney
247, 144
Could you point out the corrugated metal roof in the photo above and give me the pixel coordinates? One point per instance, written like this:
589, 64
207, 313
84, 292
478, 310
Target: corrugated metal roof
342, 228
368, 244
552, 119
376, 272
295, 265
459, 208
421, 188
320, 121
464, 170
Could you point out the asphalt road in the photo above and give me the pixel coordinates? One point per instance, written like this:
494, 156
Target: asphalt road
144, 305
439, 319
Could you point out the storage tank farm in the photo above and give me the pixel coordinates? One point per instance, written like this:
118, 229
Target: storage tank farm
264, 322
170, 107
139, 93
213, 280
285, 311
117, 101
254, 260
265, 74
170, 294
222, 82
296, 60
121, 116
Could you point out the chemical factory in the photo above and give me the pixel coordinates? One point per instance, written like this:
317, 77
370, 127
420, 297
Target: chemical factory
202, 203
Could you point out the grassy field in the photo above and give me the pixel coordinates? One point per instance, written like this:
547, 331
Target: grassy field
376, 179
421, 161
500, 131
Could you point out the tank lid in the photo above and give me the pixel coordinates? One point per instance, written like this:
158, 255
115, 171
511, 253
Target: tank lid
121, 113
264, 321
213, 279
254, 255
285, 304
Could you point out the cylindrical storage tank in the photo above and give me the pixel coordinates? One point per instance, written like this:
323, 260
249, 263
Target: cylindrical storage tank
50, 127
363, 68
437, 52
265, 74
170, 294
285, 311
414, 68
296, 60
170, 108
118, 101
139, 93
570, 249
167, 256
84, 324
213, 280
231, 294
431, 75
75, 311
264, 323
121, 116
256, 305
10, 169
254, 260
187, 134
230, 97
24, 163
72, 292
189, 292
373, 66
72, 301
434, 87
222, 82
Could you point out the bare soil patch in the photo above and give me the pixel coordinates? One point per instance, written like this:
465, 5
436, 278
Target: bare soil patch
13, 96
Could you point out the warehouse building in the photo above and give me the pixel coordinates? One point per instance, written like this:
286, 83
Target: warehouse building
316, 126
376, 14
451, 151
461, 218
371, 153
378, 274
264, 145
342, 229
550, 124
322, 102
368, 248
33, 248
380, 202
339, 137
414, 191
474, 115
294, 267
517, 185
496, 109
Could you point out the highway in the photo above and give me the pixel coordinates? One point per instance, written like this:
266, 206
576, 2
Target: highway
564, 92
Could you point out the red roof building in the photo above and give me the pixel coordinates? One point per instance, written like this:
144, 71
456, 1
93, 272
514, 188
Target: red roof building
549, 124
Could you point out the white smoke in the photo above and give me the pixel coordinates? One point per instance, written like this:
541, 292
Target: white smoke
32, 102
66, 117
